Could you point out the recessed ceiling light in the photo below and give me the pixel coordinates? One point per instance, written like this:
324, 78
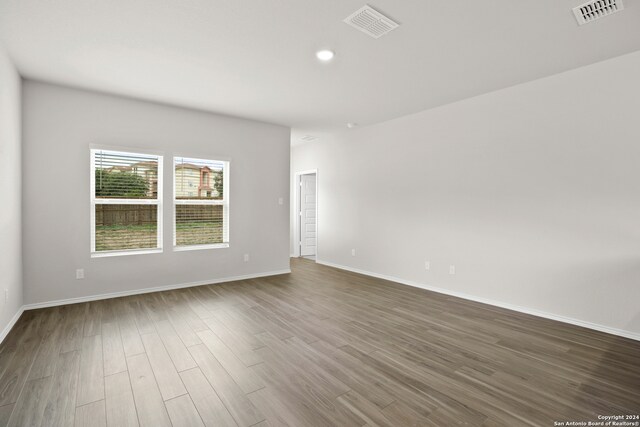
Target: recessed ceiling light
325, 55
351, 125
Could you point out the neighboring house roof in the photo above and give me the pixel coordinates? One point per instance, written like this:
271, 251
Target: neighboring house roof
153, 164
118, 168
191, 166
149, 165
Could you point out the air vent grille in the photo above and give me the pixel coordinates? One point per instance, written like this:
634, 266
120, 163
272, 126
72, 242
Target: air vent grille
371, 22
597, 9
308, 138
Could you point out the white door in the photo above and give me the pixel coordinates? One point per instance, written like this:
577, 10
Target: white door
308, 215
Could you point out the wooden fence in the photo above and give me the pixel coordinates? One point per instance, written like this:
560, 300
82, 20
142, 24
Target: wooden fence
125, 215
110, 215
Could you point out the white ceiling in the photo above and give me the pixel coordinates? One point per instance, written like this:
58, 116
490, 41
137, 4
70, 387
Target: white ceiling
255, 58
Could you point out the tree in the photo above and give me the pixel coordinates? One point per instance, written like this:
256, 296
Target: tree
120, 184
217, 183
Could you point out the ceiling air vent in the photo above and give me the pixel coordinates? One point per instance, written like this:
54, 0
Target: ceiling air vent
596, 9
308, 138
371, 22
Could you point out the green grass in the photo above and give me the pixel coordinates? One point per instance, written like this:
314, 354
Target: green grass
143, 227
123, 237
192, 225
198, 233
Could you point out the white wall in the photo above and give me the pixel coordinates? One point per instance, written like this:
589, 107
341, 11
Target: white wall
533, 192
59, 125
10, 193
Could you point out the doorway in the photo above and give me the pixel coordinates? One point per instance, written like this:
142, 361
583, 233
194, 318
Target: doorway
307, 218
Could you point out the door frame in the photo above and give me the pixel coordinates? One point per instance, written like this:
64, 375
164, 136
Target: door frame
296, 212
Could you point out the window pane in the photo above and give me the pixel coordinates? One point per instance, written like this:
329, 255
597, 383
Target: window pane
199, 224
121, 227
198, 179
122, 175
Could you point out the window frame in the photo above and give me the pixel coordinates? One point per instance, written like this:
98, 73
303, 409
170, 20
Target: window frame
97, 201
224, 203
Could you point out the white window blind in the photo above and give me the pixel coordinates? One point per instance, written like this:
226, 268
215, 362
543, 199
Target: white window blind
126, 202
201, 203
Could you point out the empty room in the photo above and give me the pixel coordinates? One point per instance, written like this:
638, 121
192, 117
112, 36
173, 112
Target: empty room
303, 213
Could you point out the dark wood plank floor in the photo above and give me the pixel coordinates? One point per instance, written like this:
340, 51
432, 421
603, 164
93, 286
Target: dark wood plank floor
318, 347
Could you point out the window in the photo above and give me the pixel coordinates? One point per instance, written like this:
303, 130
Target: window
202, 214
126, 203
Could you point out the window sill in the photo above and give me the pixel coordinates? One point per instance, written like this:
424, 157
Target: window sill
200, 247
107, 254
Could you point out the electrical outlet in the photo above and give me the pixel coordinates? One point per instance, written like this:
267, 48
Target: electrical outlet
280, 201
246, 257
80, 273
452, 269
427, 265
353, 252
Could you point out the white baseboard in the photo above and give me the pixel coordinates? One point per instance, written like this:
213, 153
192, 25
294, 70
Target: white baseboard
149, 290
533, 312
11, 324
